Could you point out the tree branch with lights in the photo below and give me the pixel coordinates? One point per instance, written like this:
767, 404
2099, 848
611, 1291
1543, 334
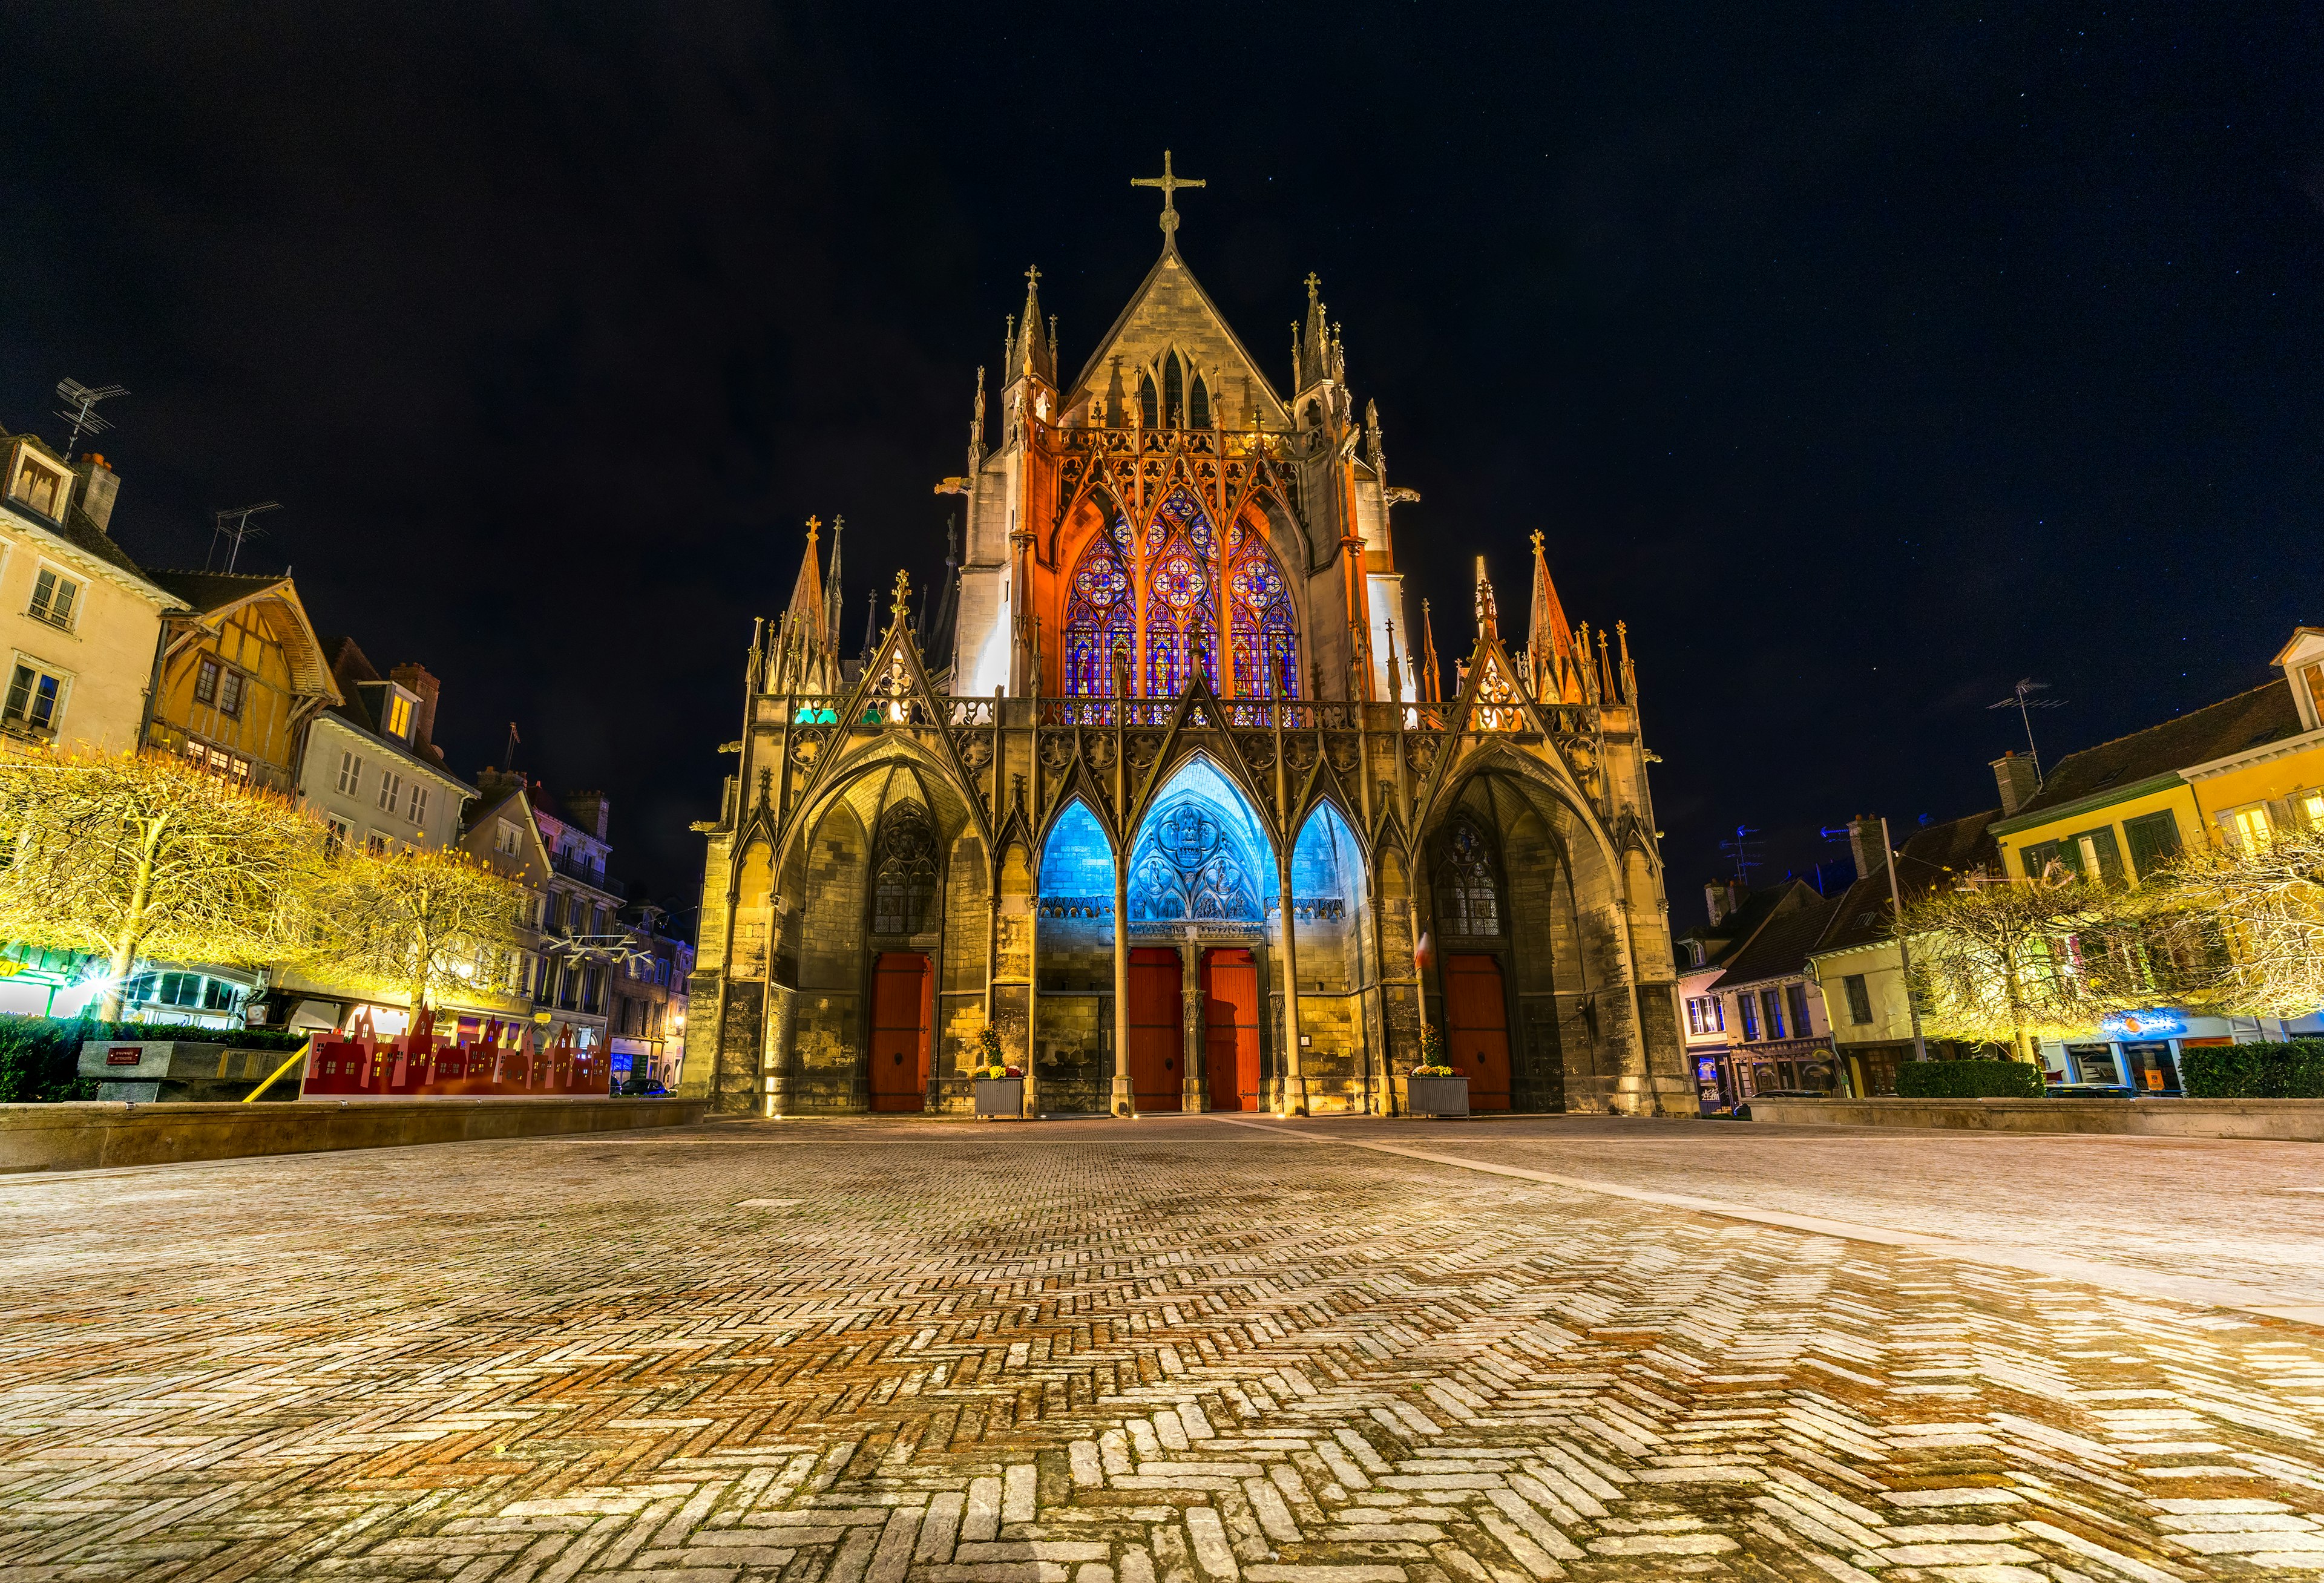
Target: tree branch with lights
425, 925
140, 855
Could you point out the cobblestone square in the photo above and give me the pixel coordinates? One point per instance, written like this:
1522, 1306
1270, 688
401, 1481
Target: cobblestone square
1176, 1350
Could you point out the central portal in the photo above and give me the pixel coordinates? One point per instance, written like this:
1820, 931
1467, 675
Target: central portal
1156, 982
1230, 1029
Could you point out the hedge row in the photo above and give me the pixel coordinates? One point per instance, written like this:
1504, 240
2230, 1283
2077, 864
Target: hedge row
2253, 1072
40, 1057
1968, 1080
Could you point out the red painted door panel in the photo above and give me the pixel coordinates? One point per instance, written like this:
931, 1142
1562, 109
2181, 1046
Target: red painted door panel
1477, 1029
1230, 1029
902, 989
1157, 1005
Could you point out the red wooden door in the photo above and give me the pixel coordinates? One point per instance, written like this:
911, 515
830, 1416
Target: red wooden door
1477, 1029
901, 990
1230, 1029
1156, 982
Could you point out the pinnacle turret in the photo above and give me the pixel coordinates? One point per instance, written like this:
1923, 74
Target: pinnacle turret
1034, 353
1549, 641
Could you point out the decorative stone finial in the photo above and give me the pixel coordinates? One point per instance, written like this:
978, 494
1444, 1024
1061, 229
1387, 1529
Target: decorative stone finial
903, 597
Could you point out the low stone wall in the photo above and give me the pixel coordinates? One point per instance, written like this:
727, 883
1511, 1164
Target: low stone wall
86, 1135
2285, 1120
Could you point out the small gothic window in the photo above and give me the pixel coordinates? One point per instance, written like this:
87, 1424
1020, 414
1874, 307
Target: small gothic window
1468, 896
1174, 391
1148, 404
904, 872
1199, 405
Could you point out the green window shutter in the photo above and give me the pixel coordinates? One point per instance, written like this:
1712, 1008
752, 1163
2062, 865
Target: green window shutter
2036, 858
2154, 840
2109, 855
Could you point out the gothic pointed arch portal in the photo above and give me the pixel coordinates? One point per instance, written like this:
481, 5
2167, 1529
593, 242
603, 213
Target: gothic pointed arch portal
1073, 956
1200, 855
1161, 600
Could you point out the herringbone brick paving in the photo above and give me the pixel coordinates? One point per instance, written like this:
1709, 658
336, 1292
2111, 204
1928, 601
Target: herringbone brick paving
1177, 1352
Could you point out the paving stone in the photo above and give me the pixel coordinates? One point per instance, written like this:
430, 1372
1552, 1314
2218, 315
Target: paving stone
1172, 1352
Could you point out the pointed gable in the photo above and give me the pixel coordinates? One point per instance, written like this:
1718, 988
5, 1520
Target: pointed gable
1170, 309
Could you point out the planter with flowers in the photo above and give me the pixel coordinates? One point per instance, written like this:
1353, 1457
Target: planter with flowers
1000, 1087
1433, 1087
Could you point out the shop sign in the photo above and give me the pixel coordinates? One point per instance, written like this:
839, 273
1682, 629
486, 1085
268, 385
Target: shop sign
2163, 1022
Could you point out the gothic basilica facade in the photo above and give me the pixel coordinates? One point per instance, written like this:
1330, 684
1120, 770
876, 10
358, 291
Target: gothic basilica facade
1167, 794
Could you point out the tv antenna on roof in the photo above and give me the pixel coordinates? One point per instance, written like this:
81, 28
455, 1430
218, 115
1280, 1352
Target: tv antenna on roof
240, 530
2021, 698
80, 409
1745, 851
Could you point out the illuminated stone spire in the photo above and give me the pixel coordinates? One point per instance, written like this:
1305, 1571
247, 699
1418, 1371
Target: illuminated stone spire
803, 651
1549, 641
1489, 611
1432, 674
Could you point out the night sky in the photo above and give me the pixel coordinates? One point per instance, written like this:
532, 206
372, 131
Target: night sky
1863, 358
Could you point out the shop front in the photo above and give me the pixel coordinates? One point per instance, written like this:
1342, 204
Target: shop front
1782, 1066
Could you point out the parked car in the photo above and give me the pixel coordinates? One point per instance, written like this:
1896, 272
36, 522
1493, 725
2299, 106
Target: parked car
640, 1088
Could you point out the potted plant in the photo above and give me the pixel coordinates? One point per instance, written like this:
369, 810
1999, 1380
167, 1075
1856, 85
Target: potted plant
1000, 1087
1433, 1087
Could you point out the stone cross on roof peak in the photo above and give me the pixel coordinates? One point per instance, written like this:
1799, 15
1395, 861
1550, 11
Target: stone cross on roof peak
1170, 182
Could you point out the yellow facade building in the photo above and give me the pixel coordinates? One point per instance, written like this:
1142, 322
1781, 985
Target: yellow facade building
79, 621
2235, 770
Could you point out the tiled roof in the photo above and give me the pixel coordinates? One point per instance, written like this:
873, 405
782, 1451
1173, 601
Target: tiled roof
1723, 938
1934, 855
1783, 946
207, 590
2213, 731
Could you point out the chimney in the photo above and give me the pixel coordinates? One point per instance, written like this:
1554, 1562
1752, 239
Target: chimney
2018, 780
493, 782
416, 678
1864, 844
1721, 897
98, 484
589, 811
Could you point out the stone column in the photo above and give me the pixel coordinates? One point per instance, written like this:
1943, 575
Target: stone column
1124, 1102
1190, 1024
1295, 1081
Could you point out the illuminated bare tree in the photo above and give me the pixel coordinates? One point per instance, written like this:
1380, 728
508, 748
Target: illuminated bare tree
2242, 924
2002, 964
144, 855
424, 925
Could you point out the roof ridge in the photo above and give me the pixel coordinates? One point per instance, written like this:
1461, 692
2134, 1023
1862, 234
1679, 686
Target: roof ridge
2177, 719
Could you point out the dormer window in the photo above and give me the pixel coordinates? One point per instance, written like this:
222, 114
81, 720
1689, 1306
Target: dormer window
398, 722
40, 484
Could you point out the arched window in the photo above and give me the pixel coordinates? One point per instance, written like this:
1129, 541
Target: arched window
1174, 391
903, 872
1199, 405
1266, 636
1147, 402
1100, 614
1181, 623
1468, 889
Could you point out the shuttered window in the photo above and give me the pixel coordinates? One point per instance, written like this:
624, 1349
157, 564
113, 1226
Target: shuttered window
2154, 840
